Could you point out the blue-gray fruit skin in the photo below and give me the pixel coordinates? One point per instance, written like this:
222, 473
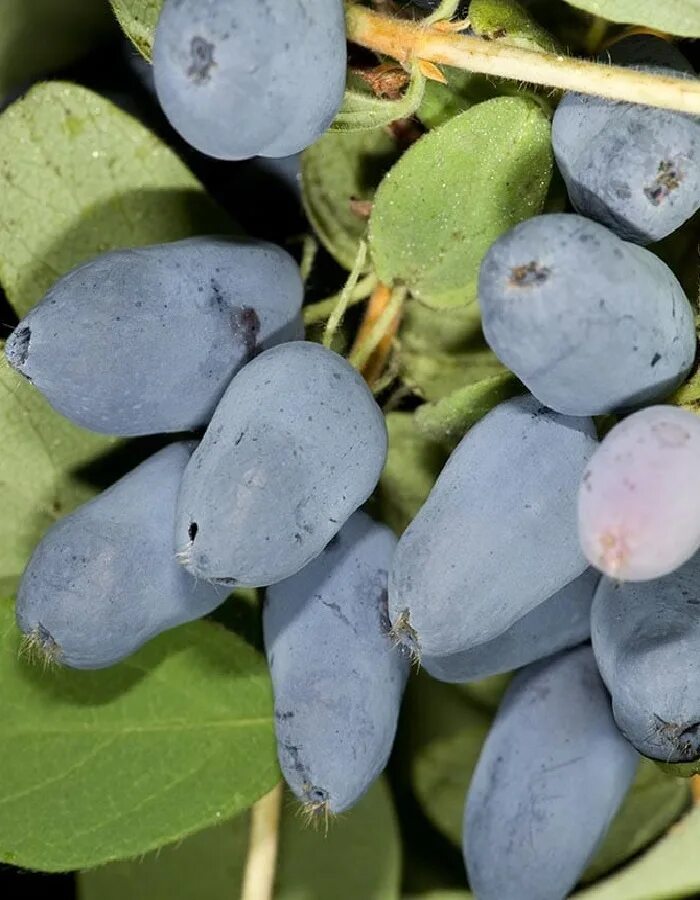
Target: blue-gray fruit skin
497, 535
242, 78
338, 677
631, 167
552, 774
561, 622
646, 638
296, 445
146, 341
588, 322
104, 580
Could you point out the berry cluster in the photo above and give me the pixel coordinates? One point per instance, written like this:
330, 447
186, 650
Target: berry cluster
539, 547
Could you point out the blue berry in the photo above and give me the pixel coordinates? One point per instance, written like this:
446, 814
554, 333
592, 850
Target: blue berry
646, 639
562, 621
104, 580
242, 78
147, 340
551, 776
296, 445
634, 168
497, 535
337, 675
589, 323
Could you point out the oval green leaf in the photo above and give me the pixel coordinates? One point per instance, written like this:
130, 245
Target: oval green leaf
98, 766
360, 857
445, 751
336, 170
454, 192
79, 177
680, 17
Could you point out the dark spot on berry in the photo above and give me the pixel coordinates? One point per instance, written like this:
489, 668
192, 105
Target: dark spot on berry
668, 179
201, 60
528, 275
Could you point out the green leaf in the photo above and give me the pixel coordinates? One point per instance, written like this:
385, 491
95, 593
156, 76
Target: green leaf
450, 418
680, 17
454, 192
667, 871
98, 766
412, 466
443, 350
359, 858
508, 22
38, 36
364, 111
442, 102
487, 693
43, 470
653, 804
335, 170
447, 741
79, 177
138, 19
688, 395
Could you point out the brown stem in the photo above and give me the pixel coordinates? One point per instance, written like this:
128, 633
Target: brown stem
406, 41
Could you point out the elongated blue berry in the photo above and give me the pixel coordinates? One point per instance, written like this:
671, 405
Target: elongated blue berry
497, 536
646, 639
562, 621
337, 675
296, 445
104, 580
146, 341
552, 774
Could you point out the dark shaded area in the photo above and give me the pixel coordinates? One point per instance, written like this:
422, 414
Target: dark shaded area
257, 193
17, 884
8, 317
102, 472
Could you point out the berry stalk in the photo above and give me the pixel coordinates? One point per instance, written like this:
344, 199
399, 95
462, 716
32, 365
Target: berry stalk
261, 864
406, 41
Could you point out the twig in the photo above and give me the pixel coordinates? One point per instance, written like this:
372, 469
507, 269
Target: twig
261, 863
407, 41
377, 332
372, 363
320, 311
343, 301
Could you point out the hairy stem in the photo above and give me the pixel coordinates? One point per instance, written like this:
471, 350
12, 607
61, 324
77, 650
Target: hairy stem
406, 41
261, 863
321, 311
